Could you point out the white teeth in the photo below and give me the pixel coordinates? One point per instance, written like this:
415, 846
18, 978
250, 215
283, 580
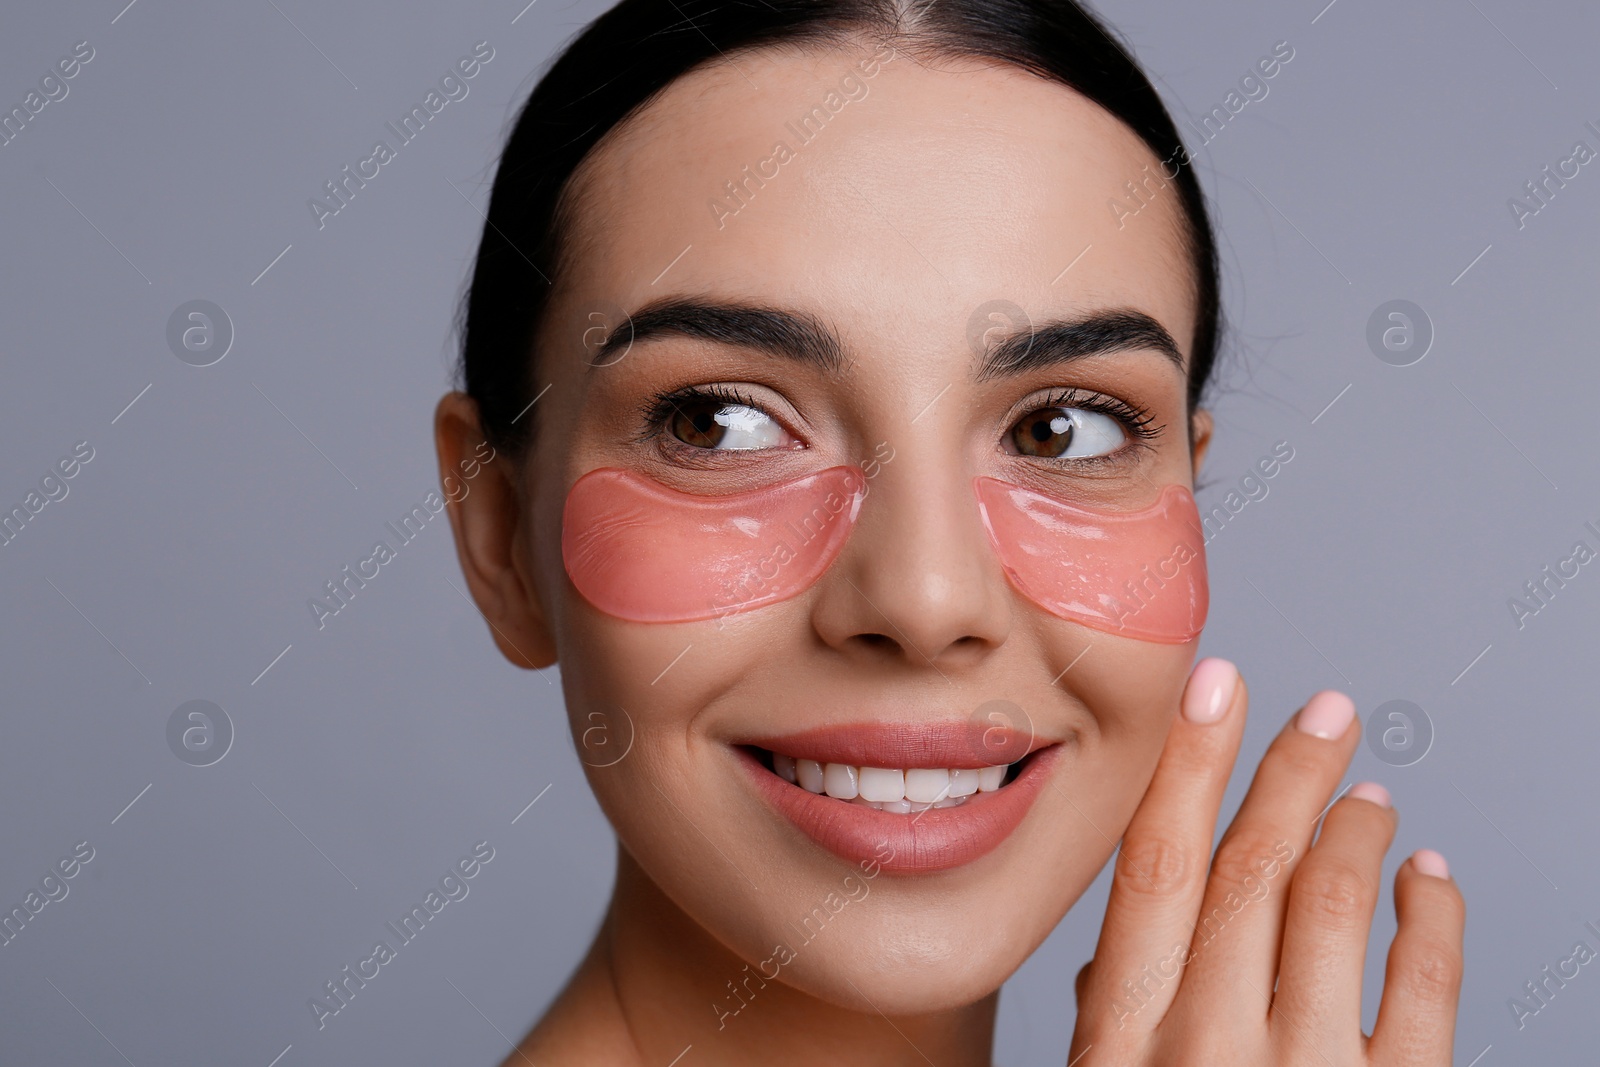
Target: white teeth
889, 788
883, 783
839, 780
809, 772
927, 784
906, 807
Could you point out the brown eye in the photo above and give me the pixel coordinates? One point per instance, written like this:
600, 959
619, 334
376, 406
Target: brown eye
714, 424
695, 423
1066, 433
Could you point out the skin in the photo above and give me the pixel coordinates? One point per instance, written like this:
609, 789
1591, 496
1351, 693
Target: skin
952, 183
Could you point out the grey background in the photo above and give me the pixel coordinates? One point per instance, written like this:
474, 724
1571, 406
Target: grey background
373, 754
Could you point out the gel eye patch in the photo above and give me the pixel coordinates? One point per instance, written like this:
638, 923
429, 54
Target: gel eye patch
1138, 574
641, 551
638, 550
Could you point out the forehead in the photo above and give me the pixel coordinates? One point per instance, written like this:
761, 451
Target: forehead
890, 198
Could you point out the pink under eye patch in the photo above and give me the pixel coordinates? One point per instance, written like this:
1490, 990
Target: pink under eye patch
641, 551
1138, 574
638, 550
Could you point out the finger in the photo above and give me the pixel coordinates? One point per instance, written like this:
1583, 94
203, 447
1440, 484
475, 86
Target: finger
1160, 869
1239, 933
1317, 1009
1422, 982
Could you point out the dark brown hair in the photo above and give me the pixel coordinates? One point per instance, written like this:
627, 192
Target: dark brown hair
626, 57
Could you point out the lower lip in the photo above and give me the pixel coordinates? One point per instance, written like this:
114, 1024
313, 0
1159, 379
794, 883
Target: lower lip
936, 839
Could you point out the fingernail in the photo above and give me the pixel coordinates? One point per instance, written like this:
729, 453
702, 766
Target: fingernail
1327, 715
1210, 690
1429, 862
1371, 791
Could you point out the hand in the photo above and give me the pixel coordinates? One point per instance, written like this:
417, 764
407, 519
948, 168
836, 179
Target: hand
1259, 961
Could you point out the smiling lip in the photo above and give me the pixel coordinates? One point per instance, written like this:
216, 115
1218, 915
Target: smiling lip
936, 839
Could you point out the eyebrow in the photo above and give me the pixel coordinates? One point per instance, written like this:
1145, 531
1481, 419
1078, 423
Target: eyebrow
803, 338
1065, 340
788, 334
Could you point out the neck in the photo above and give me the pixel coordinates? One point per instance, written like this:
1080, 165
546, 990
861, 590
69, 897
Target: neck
656, 983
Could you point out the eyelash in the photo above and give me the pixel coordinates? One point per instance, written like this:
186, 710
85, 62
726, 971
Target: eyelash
1139, 422
1136, 420
660, 408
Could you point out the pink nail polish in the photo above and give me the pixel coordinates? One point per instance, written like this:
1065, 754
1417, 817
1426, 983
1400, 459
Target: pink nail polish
1210, 690
1327, 715
1427, 861
1372, 791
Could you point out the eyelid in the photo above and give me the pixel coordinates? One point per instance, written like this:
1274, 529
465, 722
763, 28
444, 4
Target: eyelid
1137, 421
658, 408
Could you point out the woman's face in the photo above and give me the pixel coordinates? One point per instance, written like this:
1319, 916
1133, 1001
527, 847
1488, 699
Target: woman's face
934, 211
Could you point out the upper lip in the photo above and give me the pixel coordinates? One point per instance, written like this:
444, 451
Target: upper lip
953, 743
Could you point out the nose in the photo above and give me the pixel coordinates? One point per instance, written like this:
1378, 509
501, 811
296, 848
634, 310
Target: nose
918, 581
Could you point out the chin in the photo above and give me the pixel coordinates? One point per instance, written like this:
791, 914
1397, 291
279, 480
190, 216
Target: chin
900, 958
874, 936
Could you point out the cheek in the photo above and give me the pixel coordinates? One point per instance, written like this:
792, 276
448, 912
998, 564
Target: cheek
1139, 574
638, 550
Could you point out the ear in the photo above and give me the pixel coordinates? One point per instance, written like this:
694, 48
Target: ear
1200, 426
482, 492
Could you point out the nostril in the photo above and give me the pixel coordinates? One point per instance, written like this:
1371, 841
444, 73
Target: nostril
877, 640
